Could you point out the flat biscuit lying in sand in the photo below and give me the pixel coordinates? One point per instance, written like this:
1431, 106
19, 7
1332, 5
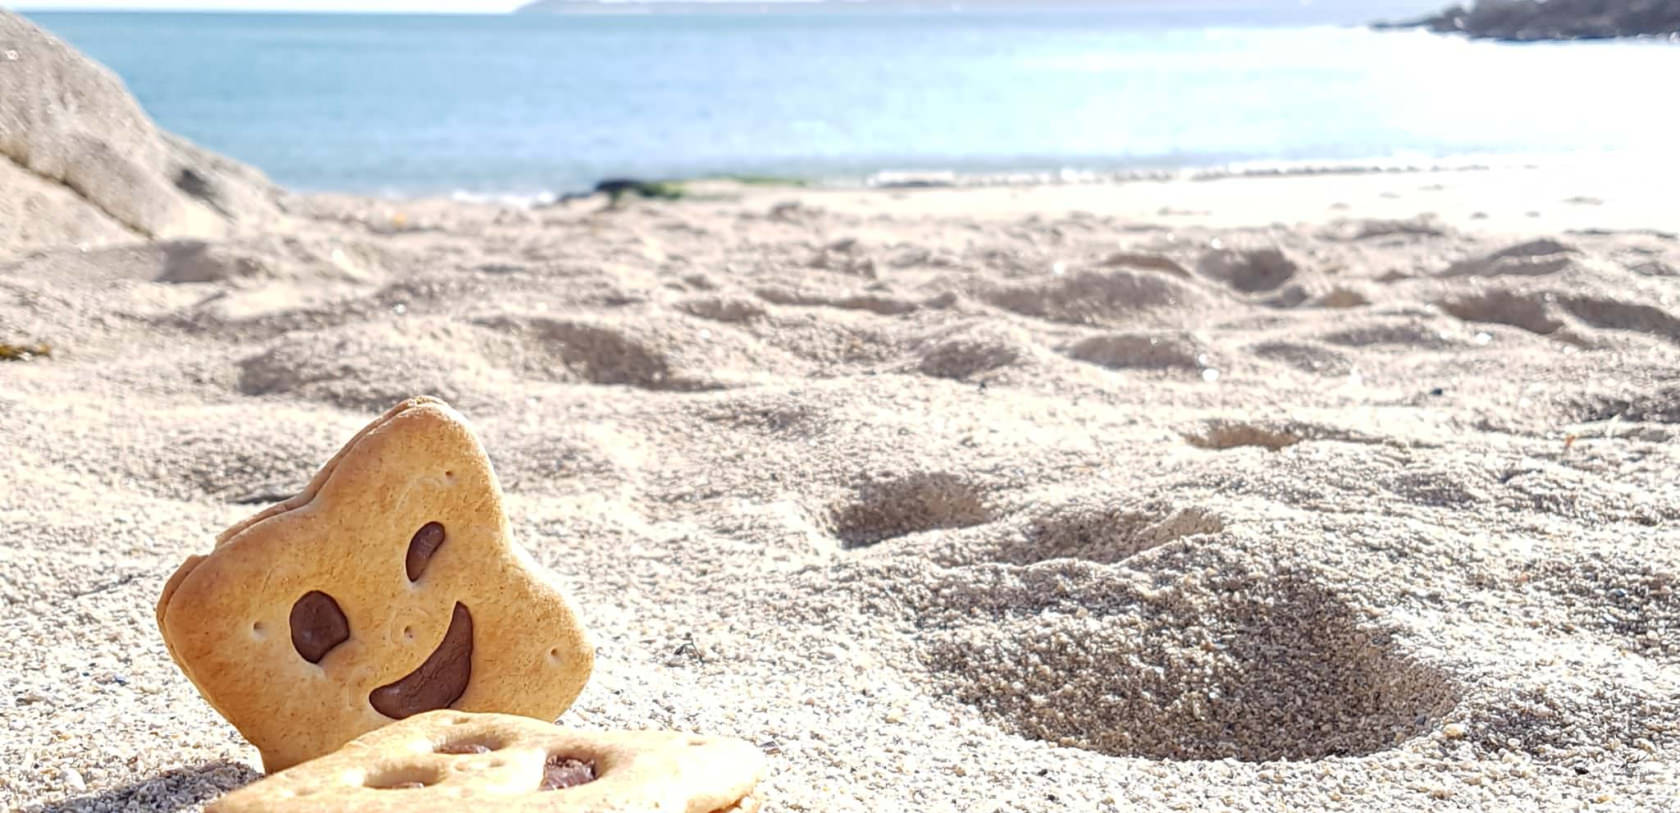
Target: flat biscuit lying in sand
452, 761
389, 587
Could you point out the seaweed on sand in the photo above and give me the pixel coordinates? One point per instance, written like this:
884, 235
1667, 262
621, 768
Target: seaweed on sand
24, 352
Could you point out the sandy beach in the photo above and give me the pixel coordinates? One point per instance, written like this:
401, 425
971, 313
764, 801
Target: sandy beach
1020, 509
1301, 493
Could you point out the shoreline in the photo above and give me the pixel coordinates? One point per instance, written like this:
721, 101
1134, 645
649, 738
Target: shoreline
1518, 194
929, 178
920, 178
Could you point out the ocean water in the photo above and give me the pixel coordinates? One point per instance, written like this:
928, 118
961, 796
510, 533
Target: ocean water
527, 105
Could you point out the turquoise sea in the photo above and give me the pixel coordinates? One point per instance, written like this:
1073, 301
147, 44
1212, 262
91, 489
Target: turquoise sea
528, 105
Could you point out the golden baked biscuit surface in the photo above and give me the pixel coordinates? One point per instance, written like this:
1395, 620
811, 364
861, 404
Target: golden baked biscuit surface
450, 761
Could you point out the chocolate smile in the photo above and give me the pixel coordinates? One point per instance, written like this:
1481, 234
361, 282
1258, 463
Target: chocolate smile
438, 682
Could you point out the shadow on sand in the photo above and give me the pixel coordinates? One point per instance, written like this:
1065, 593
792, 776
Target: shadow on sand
173, 790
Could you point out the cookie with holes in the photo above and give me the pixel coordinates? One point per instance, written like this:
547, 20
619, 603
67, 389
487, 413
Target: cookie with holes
449, 761
389, 587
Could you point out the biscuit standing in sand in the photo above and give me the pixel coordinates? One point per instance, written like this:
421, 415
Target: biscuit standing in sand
389, 587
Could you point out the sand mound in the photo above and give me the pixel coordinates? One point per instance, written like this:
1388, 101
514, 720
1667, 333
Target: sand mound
1146, 261
1305, 356
1095, 530
973, 350
1615, 314
1636, 601
1097, 297
1660, 405
1401, 333
732, 310
1150, 351
261, 259
1364, 229
220, 456
1531, 313
660, 355
360, 367
1534, 258
1249, 271
871, 302
71, 123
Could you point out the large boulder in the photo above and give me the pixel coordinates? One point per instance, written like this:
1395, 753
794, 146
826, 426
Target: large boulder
66, 120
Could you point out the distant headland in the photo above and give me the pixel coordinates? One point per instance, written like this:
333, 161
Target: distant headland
1532, 20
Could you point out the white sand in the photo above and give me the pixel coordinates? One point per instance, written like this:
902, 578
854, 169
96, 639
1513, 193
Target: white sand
953, 500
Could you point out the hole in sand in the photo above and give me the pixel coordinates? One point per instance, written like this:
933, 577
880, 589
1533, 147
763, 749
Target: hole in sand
888, 509
403, 777
1272, 670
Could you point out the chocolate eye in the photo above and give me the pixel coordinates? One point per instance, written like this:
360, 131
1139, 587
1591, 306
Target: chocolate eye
318, 625
425, 543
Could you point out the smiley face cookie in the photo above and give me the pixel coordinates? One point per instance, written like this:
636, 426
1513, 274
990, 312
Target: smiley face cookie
387, 588
448, 761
